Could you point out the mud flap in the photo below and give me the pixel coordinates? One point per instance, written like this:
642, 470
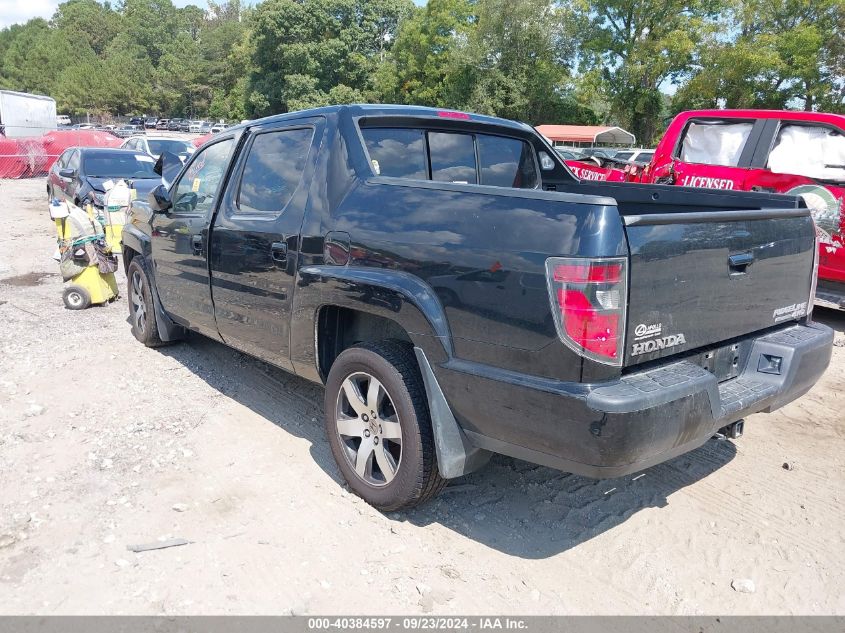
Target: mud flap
456, 455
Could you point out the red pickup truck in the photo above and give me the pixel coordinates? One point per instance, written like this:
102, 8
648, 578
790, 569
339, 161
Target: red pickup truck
776, 151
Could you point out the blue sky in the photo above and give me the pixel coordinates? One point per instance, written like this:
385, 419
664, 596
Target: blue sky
19, 11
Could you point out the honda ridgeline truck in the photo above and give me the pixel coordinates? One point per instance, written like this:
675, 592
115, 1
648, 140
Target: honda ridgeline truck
459, 293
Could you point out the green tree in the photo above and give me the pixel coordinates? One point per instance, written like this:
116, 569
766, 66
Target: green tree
304, 50
88, 21
151, 24
786, 53
636, 46
24, 65
515, 63
417, 68
226, 57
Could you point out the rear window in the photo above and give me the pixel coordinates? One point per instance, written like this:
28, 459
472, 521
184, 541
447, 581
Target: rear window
624, 155
397, 152
645, 157
715, 142
455, 157
122, 165
452, 158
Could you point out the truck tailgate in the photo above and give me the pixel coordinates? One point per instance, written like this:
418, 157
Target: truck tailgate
702, 277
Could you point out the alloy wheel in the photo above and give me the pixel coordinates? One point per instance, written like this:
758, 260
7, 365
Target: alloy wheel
139, 305
369, 429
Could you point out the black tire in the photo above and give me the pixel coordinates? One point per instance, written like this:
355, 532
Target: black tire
416, 478
76, 298
141, 306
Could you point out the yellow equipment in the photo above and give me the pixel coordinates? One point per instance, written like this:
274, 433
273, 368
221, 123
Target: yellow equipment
77, 231
116, 203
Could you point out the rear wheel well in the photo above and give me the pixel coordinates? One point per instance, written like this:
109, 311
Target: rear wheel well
341, 328
127, 255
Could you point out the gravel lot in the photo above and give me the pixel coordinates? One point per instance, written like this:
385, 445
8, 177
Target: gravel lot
105, 444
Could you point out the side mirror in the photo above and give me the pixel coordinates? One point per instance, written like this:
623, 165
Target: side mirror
168, 166
159, 199
67, 173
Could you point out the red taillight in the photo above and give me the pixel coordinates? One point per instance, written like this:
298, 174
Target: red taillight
589, 299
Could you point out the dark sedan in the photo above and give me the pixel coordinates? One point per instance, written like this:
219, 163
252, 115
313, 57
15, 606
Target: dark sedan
80, 173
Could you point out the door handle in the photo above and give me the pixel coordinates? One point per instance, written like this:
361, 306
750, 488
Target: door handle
739, 262
279, 252
196, 244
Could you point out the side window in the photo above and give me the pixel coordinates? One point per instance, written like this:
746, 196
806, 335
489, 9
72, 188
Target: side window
62, 162
73, 160
273, 169
808, 150
506, 162
196, 190
396, 152
452, 157
714, 142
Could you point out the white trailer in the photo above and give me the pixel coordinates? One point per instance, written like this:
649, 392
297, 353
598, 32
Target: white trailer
23, 114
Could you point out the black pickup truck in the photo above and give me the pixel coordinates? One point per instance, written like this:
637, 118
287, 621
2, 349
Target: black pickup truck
460, 293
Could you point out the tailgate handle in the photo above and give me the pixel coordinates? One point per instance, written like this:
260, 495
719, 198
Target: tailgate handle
739, 262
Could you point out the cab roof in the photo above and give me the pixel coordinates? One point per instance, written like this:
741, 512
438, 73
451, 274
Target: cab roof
377, 110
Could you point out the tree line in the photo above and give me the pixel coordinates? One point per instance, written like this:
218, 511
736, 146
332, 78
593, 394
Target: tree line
632, 63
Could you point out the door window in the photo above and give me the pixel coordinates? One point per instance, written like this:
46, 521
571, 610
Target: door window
809, 150
452, 157
715, 142
73, 160
197, 189
506, 162
62, 162
273, 170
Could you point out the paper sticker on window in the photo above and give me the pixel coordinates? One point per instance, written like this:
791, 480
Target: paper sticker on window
145, 159
196, 186
133, 194
376, 167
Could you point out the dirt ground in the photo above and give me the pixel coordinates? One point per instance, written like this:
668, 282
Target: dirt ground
104, 444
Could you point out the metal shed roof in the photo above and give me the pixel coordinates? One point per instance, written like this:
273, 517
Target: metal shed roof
587, 134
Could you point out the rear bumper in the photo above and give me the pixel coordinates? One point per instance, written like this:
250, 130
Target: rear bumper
614, 429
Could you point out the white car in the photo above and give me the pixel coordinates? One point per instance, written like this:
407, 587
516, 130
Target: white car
218, 127
155, 145
635, 155
195, 126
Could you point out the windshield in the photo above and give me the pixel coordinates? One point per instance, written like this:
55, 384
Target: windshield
119, 166
157, 147
624, 155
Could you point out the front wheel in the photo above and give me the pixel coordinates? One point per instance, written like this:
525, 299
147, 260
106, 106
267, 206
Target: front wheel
141, 307
379, 427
